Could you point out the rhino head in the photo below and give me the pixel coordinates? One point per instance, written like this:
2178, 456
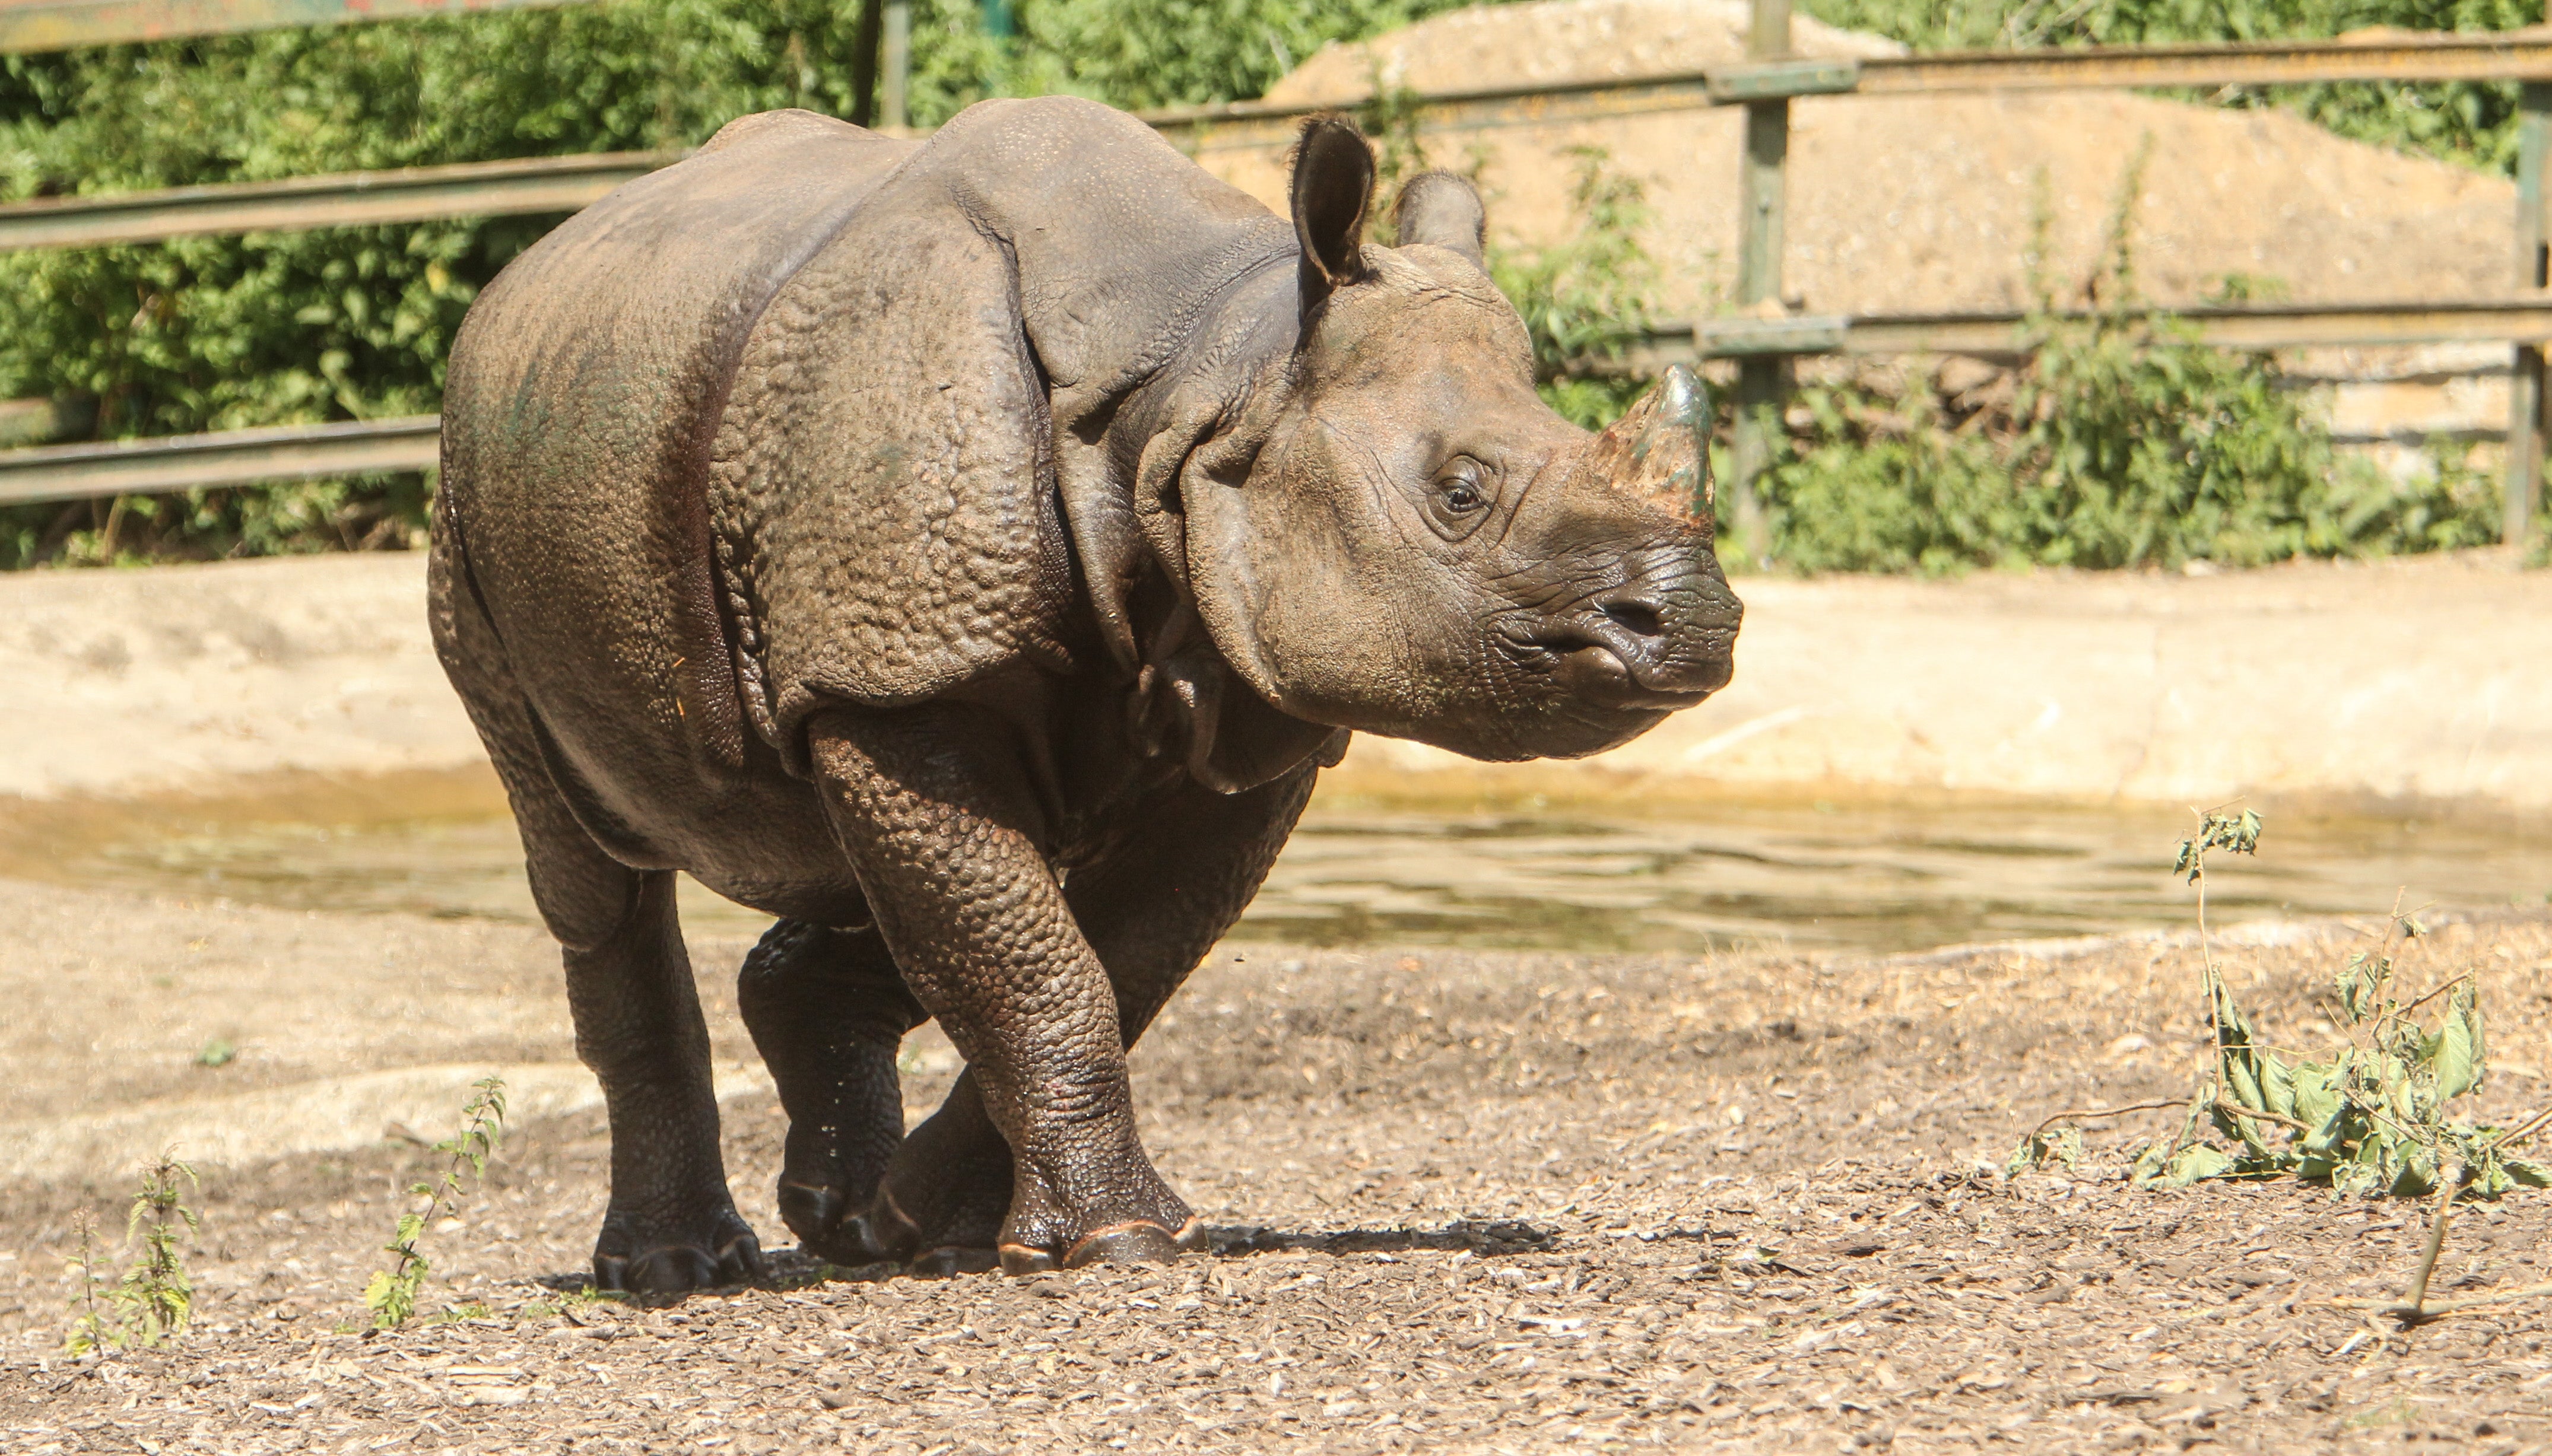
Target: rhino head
1398, 536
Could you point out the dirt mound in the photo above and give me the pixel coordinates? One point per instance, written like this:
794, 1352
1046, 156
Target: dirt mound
1926, 202
1547, 43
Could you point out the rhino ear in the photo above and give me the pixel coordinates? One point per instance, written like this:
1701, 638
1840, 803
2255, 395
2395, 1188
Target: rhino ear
1443, 210
1332, 191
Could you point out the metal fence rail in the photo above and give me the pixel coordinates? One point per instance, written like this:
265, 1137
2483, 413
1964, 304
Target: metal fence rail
2000, 333
299, 452
566, 183
2503, 56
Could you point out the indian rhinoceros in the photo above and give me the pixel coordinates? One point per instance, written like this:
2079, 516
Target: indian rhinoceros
968, 551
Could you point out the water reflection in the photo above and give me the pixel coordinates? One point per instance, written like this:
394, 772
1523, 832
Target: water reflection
1803, 876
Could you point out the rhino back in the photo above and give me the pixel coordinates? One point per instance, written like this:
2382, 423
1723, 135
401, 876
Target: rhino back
581, 397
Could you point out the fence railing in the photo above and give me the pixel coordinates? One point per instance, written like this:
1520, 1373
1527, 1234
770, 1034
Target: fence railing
59, 25
1763, 85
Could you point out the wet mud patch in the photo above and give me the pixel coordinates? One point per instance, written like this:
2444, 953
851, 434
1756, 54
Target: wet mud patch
1464, 1201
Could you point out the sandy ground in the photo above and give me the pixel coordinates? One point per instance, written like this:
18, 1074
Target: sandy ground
1461, 1202
1918, 203
2316, 684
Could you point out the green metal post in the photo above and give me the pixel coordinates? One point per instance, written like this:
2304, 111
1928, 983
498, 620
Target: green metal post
1761, 176
2525, 395
894, 83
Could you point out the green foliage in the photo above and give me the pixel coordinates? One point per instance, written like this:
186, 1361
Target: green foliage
2470, 123
154, 1299
2369, 1117
91, 1329
355, 323
2235, 834
1589, 295
1166, 53
2121, 444
392, 1294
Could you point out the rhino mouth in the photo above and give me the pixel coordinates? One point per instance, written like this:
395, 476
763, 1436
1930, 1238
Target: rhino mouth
1592, 663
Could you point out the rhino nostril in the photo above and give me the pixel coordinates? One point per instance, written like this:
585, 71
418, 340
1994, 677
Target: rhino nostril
1640, 618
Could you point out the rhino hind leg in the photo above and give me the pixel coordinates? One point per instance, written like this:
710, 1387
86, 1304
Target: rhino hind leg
828, 1011
670, 1224
941, 1201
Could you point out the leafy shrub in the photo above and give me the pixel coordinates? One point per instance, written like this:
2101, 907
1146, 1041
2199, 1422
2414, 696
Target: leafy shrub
2122, 444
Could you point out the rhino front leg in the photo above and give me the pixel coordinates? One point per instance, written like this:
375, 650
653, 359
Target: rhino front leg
828, 1011
1151, 911
944, 829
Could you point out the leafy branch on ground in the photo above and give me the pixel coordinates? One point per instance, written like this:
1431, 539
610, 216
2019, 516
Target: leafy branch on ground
392, 1295
155, 1299
2369, 1117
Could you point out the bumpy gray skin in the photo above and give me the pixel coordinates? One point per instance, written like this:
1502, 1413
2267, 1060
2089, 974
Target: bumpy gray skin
968, 552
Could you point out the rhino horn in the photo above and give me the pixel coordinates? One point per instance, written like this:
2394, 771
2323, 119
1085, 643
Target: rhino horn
1659, 448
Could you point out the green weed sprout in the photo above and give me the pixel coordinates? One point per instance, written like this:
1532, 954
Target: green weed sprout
89, 1328
153, 1300
392, 1295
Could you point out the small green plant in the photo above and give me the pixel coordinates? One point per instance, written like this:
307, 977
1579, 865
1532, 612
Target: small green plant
89, 1328
219, 1052
153, 1300
157, 1298
392, 1295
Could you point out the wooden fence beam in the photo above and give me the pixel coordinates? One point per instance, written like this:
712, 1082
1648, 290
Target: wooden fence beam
59, 25
175, 463
344, 200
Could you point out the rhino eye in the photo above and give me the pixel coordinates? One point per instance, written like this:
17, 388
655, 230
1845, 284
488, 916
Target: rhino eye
1462, 496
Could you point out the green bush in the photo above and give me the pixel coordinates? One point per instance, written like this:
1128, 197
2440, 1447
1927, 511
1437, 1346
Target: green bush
2121, 444
224, 333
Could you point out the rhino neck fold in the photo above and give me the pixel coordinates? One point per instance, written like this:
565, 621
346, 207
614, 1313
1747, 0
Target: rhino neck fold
1175, 378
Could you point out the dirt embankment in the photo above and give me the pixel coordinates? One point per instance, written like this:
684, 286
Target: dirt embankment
2350, 686
1918, 203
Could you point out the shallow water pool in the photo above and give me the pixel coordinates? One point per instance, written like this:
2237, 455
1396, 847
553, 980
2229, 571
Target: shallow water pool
1363, 871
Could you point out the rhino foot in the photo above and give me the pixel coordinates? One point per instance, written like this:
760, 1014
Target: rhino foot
1138, 1242
958, 1232
634, 1260
825, 1226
